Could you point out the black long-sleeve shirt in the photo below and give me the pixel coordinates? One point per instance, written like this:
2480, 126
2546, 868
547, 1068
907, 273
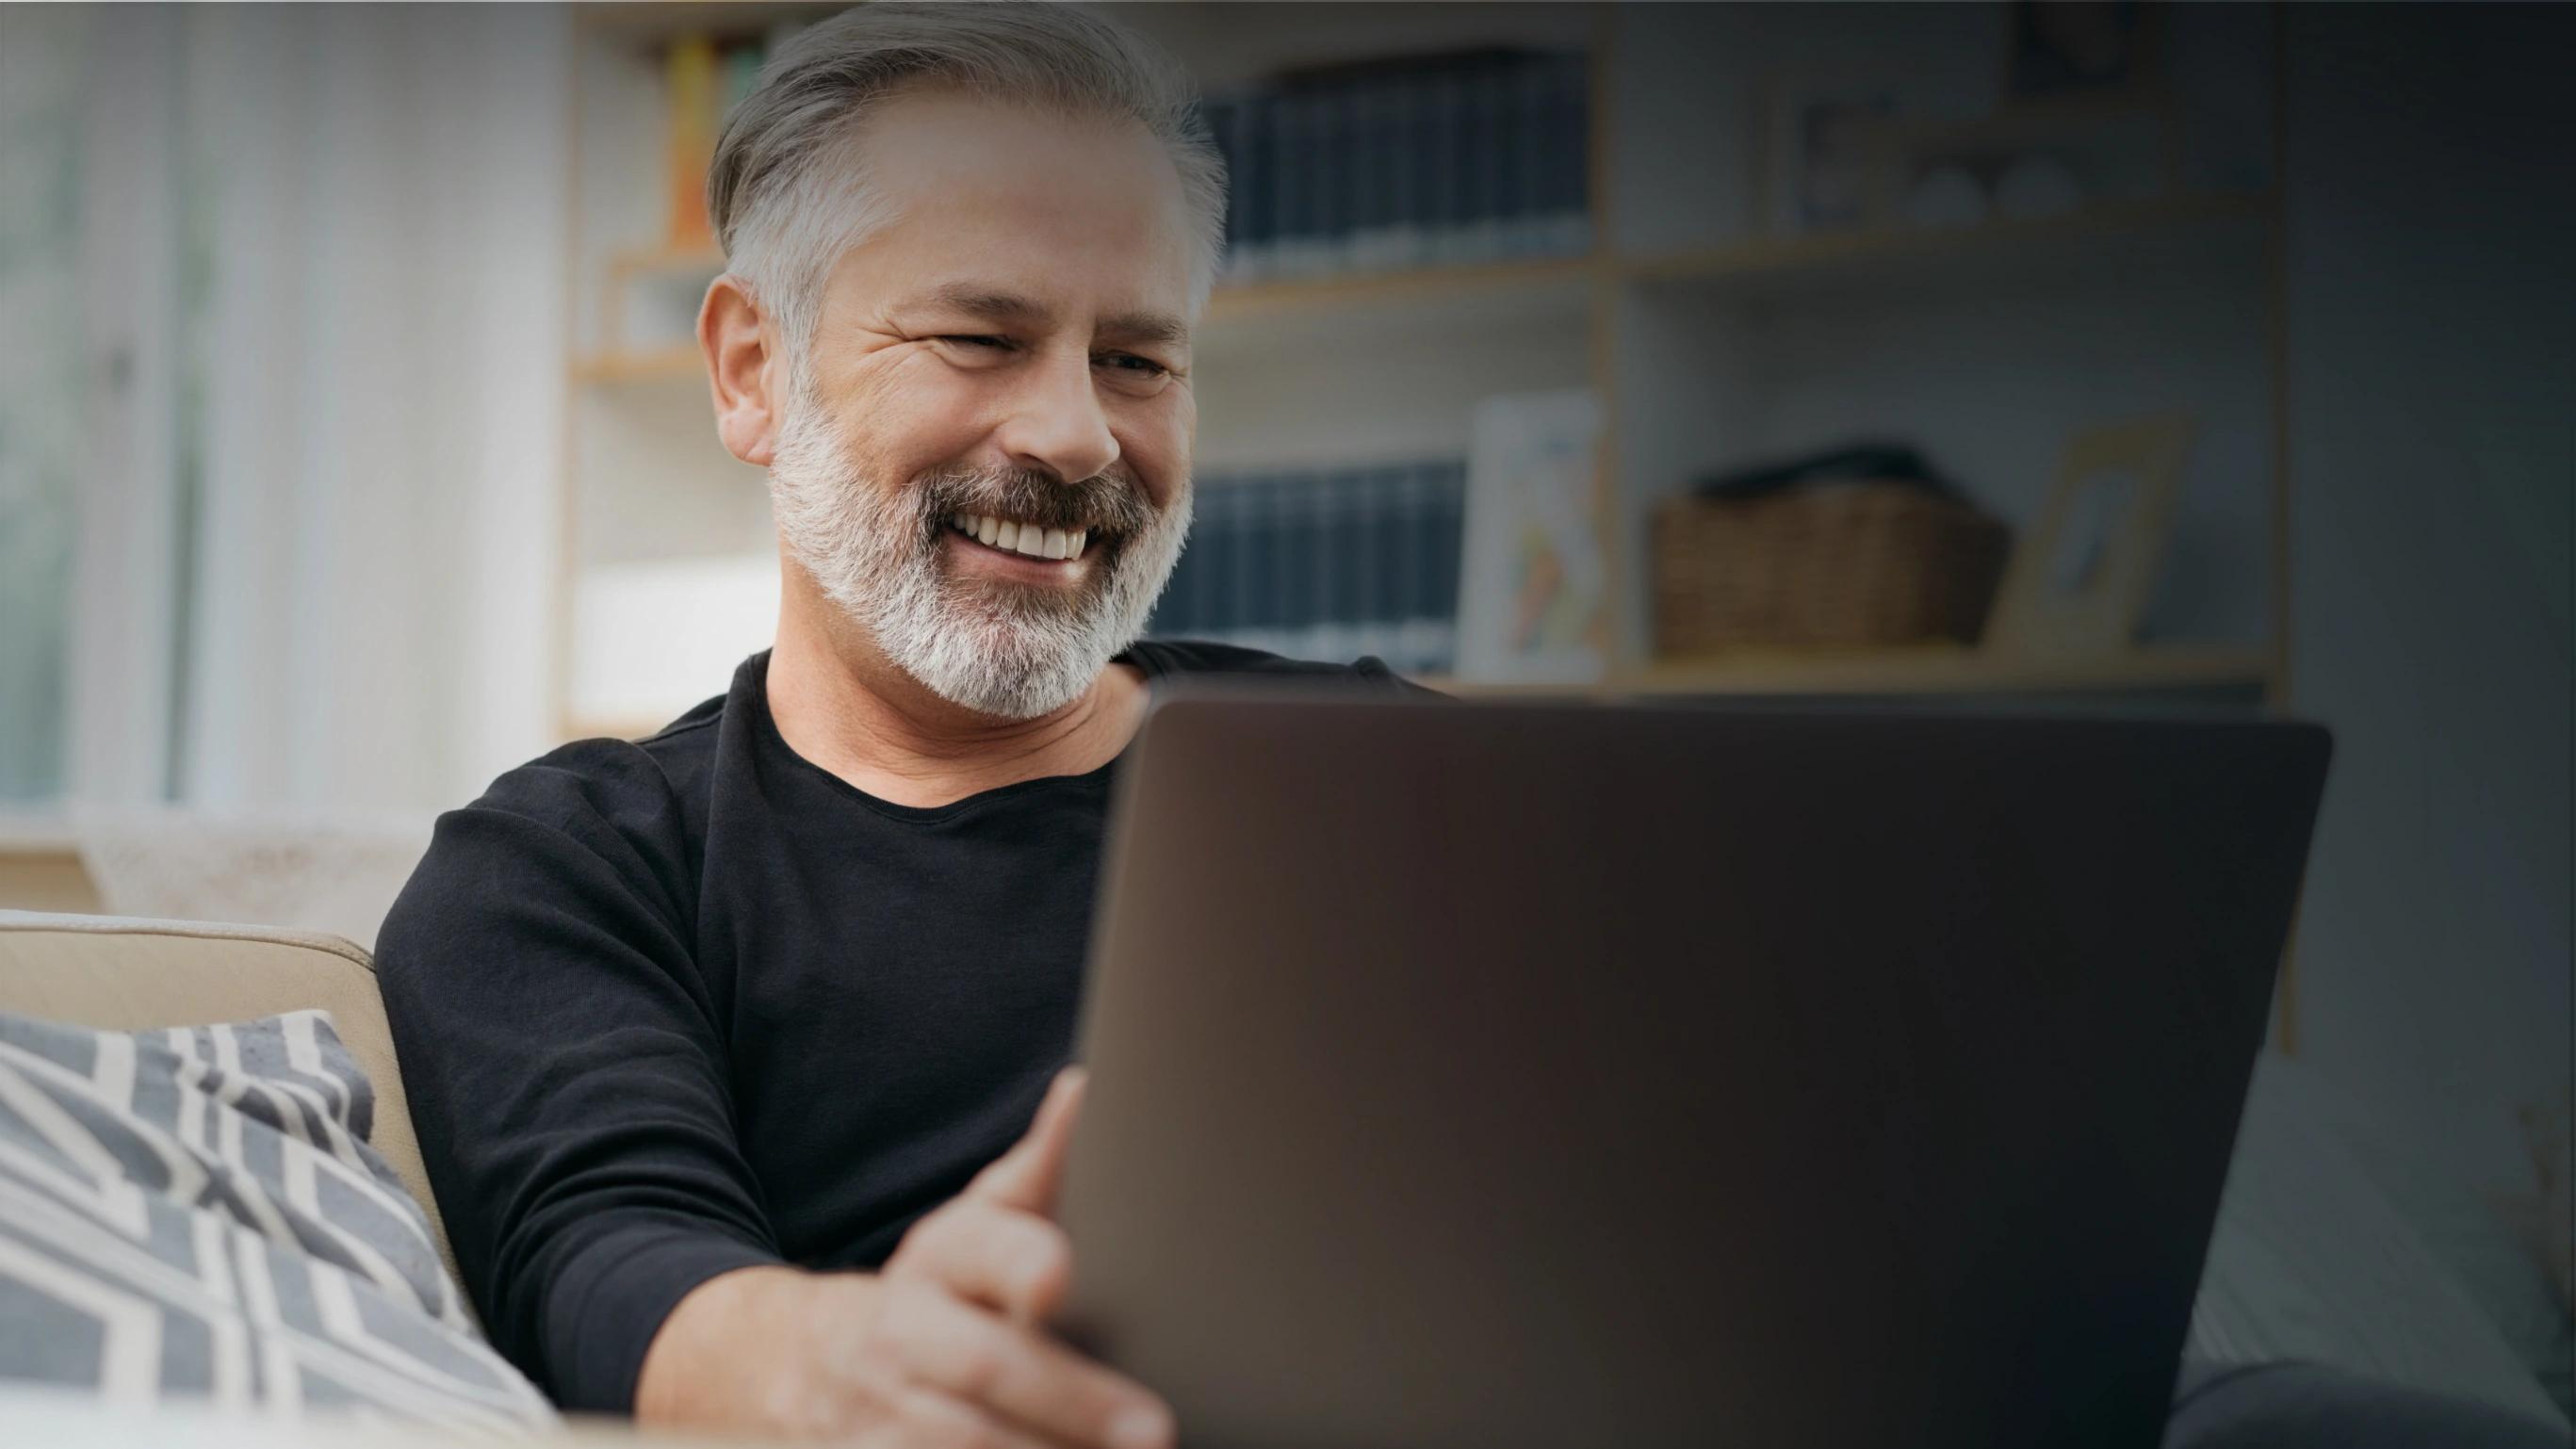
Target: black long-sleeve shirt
670, 1008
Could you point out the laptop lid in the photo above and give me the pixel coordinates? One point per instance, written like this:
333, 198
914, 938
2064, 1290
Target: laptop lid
1515, 1074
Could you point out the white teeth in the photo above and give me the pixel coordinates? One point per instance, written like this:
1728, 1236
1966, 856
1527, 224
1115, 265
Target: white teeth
1022, 538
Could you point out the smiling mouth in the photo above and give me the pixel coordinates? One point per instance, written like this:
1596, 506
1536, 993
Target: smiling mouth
1028, 540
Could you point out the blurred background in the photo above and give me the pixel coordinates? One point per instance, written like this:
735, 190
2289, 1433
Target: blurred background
2107, 357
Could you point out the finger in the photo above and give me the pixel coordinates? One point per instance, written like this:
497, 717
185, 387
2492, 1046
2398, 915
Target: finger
927, 1418
1011, 1261
1027, 1176
1023, 1376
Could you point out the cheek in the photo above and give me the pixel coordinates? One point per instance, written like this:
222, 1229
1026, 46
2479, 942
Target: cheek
915, 412
1157, 442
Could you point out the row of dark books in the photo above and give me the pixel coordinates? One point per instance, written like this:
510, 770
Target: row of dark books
1386, 165
1325, 563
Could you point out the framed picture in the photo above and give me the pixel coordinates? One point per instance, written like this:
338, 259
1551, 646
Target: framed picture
2079, 577
2060, 46
1822, 147
1533, 604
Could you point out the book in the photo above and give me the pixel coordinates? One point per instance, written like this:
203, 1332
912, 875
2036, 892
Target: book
1380, 165
1292, 161
1373, 195
1413, 520
1330, 510
1212, 114
1449, 503
1212, 534
1443, 142
1337, 198
1253, 560
1325, 563
1255, 204
1569, 138
1292, 555
691, 92
1175, 614
1479, 235
1526, 197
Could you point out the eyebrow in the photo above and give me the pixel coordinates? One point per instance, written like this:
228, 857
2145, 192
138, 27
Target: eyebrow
998, 305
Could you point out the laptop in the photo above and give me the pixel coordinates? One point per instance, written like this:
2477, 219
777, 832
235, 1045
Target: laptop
1492, 1075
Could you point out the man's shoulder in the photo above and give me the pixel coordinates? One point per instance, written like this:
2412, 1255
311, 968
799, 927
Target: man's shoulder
1168, 658
609, 777
591, 825
632, 801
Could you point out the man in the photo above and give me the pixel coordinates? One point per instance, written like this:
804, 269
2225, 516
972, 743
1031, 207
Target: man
734, 1053
709, 1037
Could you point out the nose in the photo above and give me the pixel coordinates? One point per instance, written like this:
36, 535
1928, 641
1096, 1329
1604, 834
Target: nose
1057, 424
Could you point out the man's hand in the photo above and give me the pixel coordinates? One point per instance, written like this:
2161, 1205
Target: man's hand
945, 1347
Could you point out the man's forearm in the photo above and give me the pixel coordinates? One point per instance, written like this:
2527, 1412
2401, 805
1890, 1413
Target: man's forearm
946, 1345
722, 1358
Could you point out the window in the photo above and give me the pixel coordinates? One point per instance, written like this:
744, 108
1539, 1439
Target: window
41, 54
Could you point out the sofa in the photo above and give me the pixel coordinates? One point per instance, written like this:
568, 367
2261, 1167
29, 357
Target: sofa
181, 1290
124, 974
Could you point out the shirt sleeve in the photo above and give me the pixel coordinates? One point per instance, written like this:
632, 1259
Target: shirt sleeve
565, 1070
1376, 671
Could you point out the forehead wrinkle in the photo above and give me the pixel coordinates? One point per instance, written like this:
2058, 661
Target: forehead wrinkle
1001, 305
1145, 327
993, 304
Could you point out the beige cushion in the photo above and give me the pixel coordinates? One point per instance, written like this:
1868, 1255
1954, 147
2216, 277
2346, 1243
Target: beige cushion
124, 974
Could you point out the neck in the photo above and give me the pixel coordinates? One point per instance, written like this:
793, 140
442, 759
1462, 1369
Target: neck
843, 705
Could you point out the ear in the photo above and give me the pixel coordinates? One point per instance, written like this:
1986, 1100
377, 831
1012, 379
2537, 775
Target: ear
750, 393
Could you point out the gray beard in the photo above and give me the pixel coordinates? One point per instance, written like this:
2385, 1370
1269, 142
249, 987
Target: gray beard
1006, 650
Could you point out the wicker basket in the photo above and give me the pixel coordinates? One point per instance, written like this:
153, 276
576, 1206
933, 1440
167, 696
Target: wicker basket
1849, 565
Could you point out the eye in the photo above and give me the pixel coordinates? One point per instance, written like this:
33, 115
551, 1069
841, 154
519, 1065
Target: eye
978, 340
1128, 362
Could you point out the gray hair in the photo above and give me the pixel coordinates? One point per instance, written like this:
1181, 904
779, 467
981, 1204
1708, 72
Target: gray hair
786, 196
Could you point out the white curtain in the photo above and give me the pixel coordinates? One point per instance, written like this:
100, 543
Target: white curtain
370, 206
41, 49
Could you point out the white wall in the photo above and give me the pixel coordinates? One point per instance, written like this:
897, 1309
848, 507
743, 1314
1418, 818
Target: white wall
2433, 379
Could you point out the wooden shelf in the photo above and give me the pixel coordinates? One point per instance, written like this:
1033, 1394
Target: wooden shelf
1891, 674
661, 364
1950, 671
646, 261
1831, 252
1543, 280
1245, 301
1752, 261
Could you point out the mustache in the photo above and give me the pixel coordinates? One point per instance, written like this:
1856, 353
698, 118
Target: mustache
1111, 503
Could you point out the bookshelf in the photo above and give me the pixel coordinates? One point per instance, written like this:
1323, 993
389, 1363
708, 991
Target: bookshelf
1709, 338
1953, 671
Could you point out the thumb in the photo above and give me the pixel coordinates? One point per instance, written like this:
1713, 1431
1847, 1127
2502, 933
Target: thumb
1027, 1176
